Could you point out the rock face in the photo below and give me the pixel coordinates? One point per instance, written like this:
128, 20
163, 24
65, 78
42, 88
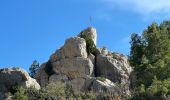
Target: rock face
16, 76
73, 47
41, 76
105, 85
73, 65
76, 67
113, 66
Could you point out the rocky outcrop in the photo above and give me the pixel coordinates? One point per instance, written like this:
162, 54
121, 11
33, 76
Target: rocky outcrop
73, 65
70, 63
113, 66
16, 76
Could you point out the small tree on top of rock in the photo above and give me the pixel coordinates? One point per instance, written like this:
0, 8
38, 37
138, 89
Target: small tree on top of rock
90, 46
34, 68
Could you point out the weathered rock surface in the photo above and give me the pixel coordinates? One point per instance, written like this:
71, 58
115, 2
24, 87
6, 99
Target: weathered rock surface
59, 77
41, 76
91, 33
92, 58
73, 47
80, 84
105, 86
113, 66
70, 64
73, 65
16, 76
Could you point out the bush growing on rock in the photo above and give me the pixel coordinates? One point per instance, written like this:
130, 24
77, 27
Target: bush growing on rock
20, 94
90, 46
17, 93
34, 68
101, 79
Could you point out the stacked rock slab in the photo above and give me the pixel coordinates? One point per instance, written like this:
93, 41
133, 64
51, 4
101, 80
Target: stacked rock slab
73, 65
10, 77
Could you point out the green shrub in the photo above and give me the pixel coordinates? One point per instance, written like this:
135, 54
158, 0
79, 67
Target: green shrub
20, 94
14, 89
56, 90
101, 79
88, 95
34, 68
141, 88
158, 87
49, 68
53, 91
90, 46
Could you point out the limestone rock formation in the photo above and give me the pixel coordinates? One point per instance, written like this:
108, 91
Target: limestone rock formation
73, 65
113, 66
55, 77
106, 85
16, 76
73, 47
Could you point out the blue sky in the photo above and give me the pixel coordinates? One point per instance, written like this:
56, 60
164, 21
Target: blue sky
34, 29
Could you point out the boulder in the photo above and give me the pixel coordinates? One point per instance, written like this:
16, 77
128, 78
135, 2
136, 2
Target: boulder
74, 68
73, 47
105, 86
16, 76
91, 33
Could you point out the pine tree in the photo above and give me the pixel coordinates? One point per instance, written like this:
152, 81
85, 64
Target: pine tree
34, 68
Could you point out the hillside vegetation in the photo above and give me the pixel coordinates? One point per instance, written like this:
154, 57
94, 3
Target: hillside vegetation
150, 58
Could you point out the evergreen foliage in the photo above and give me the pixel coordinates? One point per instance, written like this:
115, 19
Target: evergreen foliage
34, 68
90, 46
150, 57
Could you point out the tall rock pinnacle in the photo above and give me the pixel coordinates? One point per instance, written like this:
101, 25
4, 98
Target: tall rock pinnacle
91, 33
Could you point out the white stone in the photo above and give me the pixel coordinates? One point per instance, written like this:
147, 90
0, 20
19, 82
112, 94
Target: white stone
75, 67
116, 68
12, 76
105, 86
73, 47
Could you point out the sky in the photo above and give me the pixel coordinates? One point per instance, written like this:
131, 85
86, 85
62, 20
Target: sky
34, 29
